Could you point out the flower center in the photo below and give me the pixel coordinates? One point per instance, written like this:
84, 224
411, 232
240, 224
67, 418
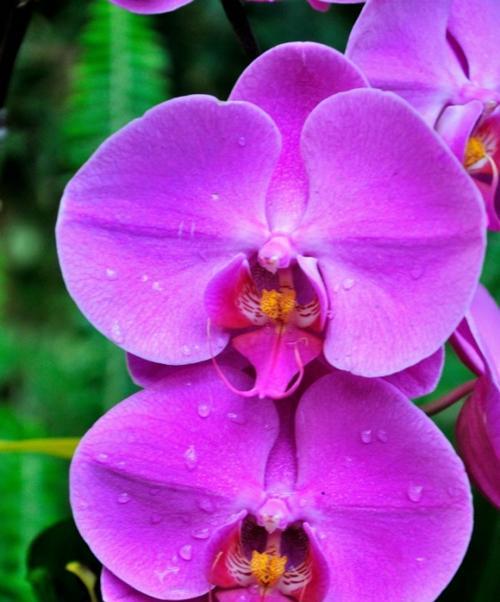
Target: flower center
278, 305
475, 151
267, 569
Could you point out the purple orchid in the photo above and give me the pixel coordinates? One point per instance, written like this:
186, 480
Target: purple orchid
166, 6
443, 57
187, 488
296, 218
477, 341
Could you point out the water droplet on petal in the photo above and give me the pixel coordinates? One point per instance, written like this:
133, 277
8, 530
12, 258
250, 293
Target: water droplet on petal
236, 418
192, 229
417, 272
156, 286
215, 196
186, 350
366, 436
116, 332
144, 278
190, 458
155, 519
123, 498
242, 141
186, 552
420, 559
102, 458
180, 229
382, 436
415, 493
121, 464
330, 314
336, 288
111, 274
203, 533
207, 505
348, 283
204, 410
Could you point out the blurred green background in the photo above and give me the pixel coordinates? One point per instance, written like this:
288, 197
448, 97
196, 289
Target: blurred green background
85, 69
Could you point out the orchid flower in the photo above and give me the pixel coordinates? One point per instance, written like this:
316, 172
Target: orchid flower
300, 217
166, 6
187, 489
443, 57
477, 341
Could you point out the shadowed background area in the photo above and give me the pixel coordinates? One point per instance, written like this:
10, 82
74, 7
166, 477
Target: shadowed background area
84, 70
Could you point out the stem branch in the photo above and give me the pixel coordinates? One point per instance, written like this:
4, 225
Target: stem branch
438, 405
235, 12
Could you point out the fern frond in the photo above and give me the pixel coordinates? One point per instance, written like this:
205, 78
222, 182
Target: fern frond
120, 73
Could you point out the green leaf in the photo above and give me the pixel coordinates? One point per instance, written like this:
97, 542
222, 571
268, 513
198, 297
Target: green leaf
120, 74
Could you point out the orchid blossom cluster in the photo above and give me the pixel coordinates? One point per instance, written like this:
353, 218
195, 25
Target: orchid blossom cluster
283, 269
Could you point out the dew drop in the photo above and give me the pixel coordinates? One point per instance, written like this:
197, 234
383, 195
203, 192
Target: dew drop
336, 288
116, 332
102, 458
192, 229
123, 498
236, 418
417, 272
330, 314
420, 559
186, 552
348, 283
206, 505
204, 410
415, 493
155, 519
215, 196
156, 286
180, 229
242, 141
366, 436
111, 274
186, 350
121, 464
382, 436
144, 278
203, 533
190, 458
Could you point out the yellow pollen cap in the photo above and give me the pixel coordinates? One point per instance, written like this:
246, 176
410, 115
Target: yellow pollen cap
474, 152
267, 569
276, 305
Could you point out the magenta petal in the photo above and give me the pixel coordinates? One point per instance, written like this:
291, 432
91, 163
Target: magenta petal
402, 47
399, 234
150, 6
287, 82
475, 25
456, 125
277, 356
393, 515
116, 590
478, 435
161, 206
420, 379
244, 595
160, 473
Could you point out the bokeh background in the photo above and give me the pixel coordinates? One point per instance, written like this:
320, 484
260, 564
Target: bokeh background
85, 69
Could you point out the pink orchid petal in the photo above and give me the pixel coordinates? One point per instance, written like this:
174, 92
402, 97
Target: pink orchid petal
116, 590
148, 220
244, 595
393, 516
287, 82
420, 379
402, 47
478, 435
223, 291
393, 229
277, 357
456, 125
309, 265
150, 6
476, 340
475, 25
156, 477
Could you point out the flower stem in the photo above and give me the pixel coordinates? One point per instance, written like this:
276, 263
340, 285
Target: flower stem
235, 12
15, 16
438, 405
